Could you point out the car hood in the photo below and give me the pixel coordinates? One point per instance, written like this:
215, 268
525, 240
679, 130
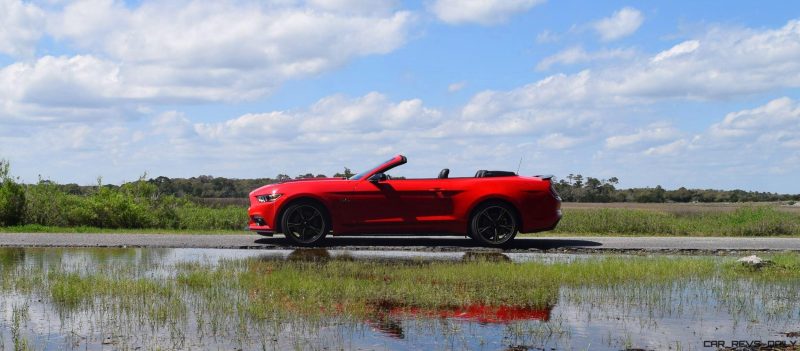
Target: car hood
269, 187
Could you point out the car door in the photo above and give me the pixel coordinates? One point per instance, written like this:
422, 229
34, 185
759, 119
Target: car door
426, 203
375, 207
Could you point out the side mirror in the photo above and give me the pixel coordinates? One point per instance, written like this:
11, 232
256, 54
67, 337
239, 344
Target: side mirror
377, 177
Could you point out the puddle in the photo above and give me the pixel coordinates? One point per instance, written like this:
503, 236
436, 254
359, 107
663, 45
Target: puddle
42, 306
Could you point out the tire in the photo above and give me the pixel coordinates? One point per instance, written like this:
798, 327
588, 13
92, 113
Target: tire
305, 223
494, 224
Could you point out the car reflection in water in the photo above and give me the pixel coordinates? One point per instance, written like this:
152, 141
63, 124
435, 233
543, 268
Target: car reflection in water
388, 319
412, 257
310, 255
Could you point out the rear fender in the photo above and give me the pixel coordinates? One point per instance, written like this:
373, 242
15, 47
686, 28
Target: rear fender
495, 197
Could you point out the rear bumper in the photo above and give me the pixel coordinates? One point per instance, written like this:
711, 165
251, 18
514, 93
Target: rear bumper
558, 219
542, 224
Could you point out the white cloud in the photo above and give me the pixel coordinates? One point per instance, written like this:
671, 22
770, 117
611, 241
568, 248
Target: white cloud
776, 123
558, 141
334, 118
724, 63
552, 92
196, 50
355, 6
683, 48
546, 37
648, 135
485, 12
457, 86
577, 54
671, 148
738, 150
20, 27
621, 24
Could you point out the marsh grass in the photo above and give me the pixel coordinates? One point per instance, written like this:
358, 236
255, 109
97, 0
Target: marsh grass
256, 299
660, 220
742, 221
36, 228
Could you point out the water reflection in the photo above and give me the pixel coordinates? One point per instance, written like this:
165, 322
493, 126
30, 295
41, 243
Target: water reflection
324, 255
388, 318
309, 255
471, 256
11, 257
211, 311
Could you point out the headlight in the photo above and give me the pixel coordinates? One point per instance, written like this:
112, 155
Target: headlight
268, 198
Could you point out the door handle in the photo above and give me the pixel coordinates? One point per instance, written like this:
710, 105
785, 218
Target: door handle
435, 189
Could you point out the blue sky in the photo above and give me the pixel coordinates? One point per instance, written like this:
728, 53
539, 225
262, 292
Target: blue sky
675, 93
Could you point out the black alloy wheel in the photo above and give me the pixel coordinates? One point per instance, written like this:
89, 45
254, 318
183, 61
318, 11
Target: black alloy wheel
494, 224
305, 223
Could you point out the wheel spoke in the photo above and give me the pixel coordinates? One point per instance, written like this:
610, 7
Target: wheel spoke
500, 214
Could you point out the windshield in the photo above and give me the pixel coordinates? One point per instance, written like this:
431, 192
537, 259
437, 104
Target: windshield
362, 174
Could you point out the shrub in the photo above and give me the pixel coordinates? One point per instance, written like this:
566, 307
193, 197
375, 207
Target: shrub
12, 198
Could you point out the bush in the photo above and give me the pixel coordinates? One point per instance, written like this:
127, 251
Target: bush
46, 204
12, 198
134, 205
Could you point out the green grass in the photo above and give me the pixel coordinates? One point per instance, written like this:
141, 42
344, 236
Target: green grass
36, 228
744, 221
665, 220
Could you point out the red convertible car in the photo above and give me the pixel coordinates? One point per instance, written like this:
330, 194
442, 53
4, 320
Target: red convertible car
490, 207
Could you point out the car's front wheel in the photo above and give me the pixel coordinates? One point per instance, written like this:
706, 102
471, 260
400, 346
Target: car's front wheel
305, 223
493, 224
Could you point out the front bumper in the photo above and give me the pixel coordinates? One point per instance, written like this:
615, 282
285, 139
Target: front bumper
262, 217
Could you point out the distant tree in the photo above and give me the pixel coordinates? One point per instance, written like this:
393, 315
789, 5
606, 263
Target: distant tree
321, 176
578, 181
346, 174
573, 188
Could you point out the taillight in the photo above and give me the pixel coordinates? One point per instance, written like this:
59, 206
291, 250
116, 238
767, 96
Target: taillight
553, 191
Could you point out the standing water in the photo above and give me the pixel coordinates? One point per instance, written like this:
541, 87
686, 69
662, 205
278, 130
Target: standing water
63, 299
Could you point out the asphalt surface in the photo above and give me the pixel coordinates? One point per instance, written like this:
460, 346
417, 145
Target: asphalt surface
414, 243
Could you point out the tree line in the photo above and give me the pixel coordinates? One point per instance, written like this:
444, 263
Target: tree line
572, 188
576, 188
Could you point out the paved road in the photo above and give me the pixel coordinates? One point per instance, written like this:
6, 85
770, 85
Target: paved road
418, 243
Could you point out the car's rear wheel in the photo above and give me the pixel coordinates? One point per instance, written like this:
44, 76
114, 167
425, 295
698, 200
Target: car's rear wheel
305, 223
494, 224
